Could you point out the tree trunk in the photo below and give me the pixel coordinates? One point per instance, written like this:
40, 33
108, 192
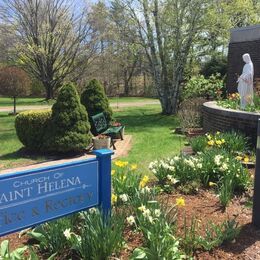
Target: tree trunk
49, 91
14, 105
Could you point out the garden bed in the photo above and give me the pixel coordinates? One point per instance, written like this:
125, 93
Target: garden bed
205, 206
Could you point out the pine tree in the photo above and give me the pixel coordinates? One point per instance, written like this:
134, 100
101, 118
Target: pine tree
69, 128
95, 101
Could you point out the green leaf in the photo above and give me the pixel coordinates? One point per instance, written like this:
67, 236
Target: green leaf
139, 253
5, 248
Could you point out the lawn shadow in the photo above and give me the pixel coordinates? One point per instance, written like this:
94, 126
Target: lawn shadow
22, 153
249, 234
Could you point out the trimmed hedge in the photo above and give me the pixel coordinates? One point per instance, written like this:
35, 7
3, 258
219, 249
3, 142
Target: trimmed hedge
31, 127
95, 101
69, 128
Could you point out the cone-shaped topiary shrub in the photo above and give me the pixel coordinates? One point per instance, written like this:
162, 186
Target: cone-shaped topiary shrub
96, 101
69, 127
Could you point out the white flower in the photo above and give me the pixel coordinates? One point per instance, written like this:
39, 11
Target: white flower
123, 197
146, 213
92, 210
146, 189
199, 165
157, 213
172, 179
217, 159
154, 171
67, 233
189, 162
130, 220
176, 158
150, 219
224, 167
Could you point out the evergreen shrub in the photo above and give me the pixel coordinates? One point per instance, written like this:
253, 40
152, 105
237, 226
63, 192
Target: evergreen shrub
31, 127
69, 127
96, 101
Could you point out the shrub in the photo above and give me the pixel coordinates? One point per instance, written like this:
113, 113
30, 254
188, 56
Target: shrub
69, 128
199, 86
190, 113
216, 65
31, 127
96, 101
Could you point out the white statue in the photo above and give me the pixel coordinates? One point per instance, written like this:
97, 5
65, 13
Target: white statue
245, 83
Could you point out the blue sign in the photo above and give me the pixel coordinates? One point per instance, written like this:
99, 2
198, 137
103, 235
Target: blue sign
32, 197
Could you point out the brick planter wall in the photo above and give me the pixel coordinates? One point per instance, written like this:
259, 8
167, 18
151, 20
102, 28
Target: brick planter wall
216, 118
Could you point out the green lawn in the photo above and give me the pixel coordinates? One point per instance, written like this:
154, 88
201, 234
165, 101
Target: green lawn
152, 137
4, 101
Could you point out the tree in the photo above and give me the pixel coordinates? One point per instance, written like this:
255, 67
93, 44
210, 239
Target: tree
95, 101
166, 32
14, 82
54, 42
69, 126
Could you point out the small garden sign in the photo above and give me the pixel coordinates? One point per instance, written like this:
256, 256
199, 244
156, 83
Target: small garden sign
32, 197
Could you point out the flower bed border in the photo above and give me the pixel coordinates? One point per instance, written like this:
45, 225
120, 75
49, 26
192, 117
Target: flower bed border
216, 118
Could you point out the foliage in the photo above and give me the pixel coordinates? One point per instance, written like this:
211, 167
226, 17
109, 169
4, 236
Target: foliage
7, 254
95, 101
14, 82
199, 86
157, 226
231, 142
31, 127
198, 144
215, 235
50, 235
97, 239
126, 181
213, 168
216, 65
69, 127
233, 102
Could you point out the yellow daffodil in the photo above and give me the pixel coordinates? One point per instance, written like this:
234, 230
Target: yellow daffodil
223, 141
113, 198
211, 142
144, 181
211, 184
113, 172
246, 159
217, 133
121, 164
180, 202
239, 158
218, 142
133, 166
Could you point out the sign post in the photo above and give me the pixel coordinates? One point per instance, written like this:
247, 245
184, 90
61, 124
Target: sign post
256, 198
32, 197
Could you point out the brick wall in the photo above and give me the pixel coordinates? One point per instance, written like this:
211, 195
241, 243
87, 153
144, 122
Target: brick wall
235, 62
217, 119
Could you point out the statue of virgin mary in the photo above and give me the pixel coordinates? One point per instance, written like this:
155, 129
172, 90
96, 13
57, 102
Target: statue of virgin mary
245, 83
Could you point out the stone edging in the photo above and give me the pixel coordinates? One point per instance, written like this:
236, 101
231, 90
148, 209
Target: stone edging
216, 118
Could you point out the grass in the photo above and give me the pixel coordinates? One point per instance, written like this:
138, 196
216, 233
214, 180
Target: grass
4, 101
152, 135
10, 149
151, 131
